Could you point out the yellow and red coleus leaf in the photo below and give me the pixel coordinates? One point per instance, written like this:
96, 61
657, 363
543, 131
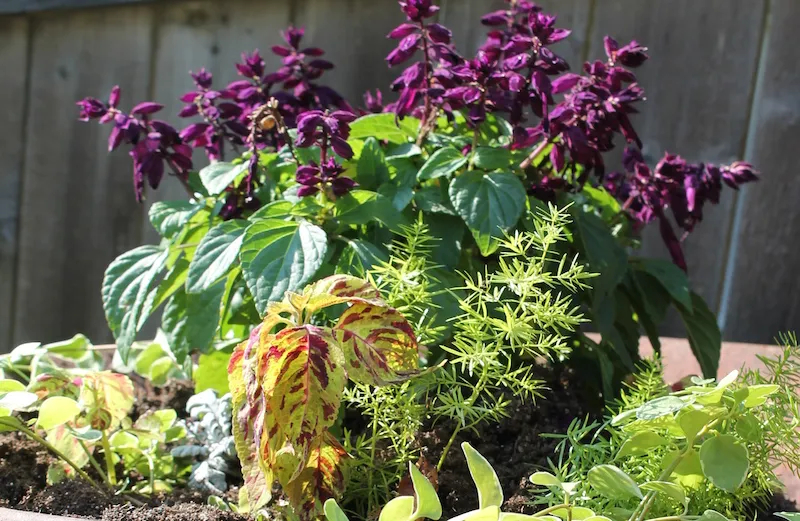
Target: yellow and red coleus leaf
107, 398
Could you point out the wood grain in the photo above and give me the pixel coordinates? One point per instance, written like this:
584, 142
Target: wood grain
77, 210
699, 83
764, 298
14, 62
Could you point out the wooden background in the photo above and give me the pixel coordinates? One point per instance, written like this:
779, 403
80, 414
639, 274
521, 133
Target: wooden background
723, 83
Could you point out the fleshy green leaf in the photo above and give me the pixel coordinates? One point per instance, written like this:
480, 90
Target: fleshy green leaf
667, 488
641, 443
713, 515
16, 400
725, 462
11, 385
427, 502
705, 338
384, 127
215, 254
279, 256
613, 483
442, 163
490, 493
788, 516
577, 513
333, 512
490, 204
129, 291
545, 479
492, 158
217, 176
660, 407
490, 513
57, 410
757, 394
398, 509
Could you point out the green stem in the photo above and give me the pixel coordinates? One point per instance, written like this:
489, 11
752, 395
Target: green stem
107, 455
553, 509
47, 445
94, 462
447, 448
468, 402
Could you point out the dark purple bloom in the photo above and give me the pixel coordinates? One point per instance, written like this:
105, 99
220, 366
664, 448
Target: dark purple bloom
146, 108
327, 178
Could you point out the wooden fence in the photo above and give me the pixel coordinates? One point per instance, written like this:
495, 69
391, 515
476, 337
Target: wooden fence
723, 83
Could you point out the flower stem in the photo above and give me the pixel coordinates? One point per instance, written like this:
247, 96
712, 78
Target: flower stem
107, 455
536, 151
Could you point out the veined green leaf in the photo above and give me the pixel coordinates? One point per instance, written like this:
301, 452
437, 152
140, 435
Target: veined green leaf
384, 127
57, 410
216, 253
492, 158
217, 176
442, 163
705, 338
168, 217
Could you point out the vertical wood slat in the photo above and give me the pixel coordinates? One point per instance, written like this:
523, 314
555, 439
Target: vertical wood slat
77, 211
764, 296
698, 84
14, 63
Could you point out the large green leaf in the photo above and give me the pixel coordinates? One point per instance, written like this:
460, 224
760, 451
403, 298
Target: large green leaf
212, 373
384, 127
216, 177
190, 320
601, 250
129, 291
372, 170
705, 337
725, 462
359, 256
215, 254
492, 158
443, 162
362, 207
490, 204
170, 216
671, 277
280, 256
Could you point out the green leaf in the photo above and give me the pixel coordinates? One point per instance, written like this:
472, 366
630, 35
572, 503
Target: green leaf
57, 410
129, 292
15, 400
122, 440
613, 483
384, 127
492, 158
490, 493
641, 443
689, 471
333, 512
692, 421
405, 150
713, 515
667, 488
604, 254
400, 196
449, 232
545, 479
74, 348
490, 513
576, 514
11, 385
362, 207
705, 338
443, 162
147, 357
9, 423
757, 394
490, 204
160, 369
660, 407
434, 199
399, 509
217, 176
427, 502
215, 254
212, 372
359, 257
280, 256
749, 428
372, 170
190, 321
169, 217
725, 462
671, 277
789, 516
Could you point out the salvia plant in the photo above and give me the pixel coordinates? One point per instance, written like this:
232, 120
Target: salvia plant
83, 413
302, 185
288, 379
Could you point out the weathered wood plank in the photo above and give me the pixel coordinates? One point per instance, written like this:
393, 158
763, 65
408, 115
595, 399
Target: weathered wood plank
32, 6
689, 109
13, 60
192, 35
77, 210
764, 296
353, 34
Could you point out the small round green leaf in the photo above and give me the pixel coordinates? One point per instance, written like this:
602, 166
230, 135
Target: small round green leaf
725, 462
545, 479
613, 483
124, 440
11, 385
692, 422
16, 400
57, 410
749, 428
660, 407
641, 443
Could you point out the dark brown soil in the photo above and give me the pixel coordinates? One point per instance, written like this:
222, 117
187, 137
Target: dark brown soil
779, 504
72, 498
514, 447
23, 469
180, 512
173, 395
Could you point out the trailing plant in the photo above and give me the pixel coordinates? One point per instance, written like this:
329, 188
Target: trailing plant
82, 413
287, 383
27, 361
710, 447
300, 186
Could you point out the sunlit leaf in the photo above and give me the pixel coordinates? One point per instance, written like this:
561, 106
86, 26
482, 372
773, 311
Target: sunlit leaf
490, 493
613, 483
57, 410
725, 462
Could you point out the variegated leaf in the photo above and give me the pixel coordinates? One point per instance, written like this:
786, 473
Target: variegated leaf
323, 477
257, 481
303, 382
337, 289
69, 445
108, 397
378, 343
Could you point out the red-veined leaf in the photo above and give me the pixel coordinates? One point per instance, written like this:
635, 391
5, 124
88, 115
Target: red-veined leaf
108, 397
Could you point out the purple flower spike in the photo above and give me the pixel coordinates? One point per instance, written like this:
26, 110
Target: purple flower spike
146, 108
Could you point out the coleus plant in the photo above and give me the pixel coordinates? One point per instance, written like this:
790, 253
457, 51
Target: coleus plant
82, 412
313, 189
287, 383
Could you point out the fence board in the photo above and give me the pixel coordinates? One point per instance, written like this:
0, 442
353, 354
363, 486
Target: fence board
690, 109
765, 290
192, 35
13, 60
77, 210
